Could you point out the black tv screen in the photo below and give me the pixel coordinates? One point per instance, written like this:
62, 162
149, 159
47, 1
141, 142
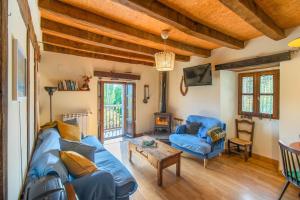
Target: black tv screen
198, 75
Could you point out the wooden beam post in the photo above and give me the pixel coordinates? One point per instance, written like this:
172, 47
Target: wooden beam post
53, 28
52, 48
26, 15
3, 96
255, 16
167, 15
89, 19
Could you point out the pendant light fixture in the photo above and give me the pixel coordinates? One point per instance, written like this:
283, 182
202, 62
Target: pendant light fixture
165, 60
295, 43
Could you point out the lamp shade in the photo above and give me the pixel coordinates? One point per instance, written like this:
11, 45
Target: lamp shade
164, 61
294, 43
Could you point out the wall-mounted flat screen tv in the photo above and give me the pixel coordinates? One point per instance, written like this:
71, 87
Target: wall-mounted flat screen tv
198, 75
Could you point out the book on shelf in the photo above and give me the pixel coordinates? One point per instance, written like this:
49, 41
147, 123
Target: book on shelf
68, 85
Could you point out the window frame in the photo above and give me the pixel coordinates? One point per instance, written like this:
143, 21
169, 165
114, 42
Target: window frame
256, 93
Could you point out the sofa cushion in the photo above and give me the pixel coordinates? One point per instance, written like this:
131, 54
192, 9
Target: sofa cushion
69, 132
98, 185
86, 150
191, 142
48, 163
215, 134
77, 164
192, 127
207, 123
125, 183
47, 140
73, 121
93, 141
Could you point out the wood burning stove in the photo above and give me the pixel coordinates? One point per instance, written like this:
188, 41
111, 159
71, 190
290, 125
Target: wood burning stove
162, 119
162, 122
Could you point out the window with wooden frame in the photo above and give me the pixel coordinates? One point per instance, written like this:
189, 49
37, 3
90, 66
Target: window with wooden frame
259, 94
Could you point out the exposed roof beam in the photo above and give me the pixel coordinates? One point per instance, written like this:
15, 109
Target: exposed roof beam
255, 16
62, 42
77, 15
54, 28
165, 14
56, 49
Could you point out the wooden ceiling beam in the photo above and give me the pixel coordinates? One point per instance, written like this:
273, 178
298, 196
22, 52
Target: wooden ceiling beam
161, 12
57, 49
77, 15
255, 16
258, 61
103, 74
62, 42
58, 29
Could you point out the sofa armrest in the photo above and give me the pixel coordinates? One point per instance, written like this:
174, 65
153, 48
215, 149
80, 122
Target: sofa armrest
98, 185
218, 145
181, 129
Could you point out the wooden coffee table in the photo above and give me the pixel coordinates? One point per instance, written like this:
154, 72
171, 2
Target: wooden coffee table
159, 157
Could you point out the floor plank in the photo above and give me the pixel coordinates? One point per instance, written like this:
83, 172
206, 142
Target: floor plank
226, 177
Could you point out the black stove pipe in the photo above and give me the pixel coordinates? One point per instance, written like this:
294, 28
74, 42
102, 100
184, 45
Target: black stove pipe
163, 104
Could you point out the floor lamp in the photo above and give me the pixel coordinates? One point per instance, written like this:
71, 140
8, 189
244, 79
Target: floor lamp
50, 91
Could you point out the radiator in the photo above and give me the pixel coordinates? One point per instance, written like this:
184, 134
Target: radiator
82, 118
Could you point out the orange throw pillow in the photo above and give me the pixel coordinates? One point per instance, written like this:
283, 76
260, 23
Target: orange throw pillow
77, 164
68, 131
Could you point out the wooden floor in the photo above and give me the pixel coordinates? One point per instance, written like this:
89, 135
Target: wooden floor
226, 177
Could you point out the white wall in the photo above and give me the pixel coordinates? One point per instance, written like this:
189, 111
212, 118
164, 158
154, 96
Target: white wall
56, 67
17, 110
289, 129
218, 100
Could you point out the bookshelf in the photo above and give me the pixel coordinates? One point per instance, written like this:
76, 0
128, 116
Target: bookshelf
69, 86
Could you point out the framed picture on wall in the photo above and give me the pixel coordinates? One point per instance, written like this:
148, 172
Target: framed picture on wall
19, 78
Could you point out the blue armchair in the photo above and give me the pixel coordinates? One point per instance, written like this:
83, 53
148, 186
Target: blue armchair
199, 145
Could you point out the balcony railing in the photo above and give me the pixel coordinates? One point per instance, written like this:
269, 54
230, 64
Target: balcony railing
113, 122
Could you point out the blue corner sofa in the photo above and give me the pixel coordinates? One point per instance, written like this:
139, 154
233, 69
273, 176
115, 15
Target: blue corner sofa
199, 145
112, 182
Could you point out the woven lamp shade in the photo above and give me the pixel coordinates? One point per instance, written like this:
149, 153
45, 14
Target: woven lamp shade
164, 61
295, 43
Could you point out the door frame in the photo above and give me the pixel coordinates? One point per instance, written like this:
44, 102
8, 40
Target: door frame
4, 95
101, 106
133, 107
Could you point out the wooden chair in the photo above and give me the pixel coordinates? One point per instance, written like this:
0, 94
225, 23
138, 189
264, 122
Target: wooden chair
291, 166
240, 141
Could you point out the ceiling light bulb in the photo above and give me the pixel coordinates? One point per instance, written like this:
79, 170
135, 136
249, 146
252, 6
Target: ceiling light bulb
165, 34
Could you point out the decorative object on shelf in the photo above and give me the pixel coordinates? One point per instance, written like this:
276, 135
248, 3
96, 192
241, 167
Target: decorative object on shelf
19, 83
164, 60
186, 89
86, 81
50, 91
146, 94
68, 85
295, 43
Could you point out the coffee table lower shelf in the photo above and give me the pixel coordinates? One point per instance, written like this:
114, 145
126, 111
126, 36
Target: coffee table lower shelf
158, 160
